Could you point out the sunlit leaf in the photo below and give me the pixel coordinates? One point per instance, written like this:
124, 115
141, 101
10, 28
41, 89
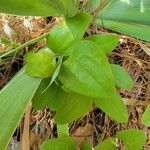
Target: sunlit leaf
68, 32
106, 42
108, 144
133, 139
59, 144
121, 77
40, 64
14, 99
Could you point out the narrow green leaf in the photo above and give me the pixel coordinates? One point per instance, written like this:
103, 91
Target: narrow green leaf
40, 64
73, 107
68, 32
59, 144
108, 144
106, 42
121, 77
146, 116
133, 139
126, 16
114, 107
14, 99
39, 7
88, 72
63, 130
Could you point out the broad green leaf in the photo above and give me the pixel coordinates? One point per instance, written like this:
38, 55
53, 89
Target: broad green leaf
88, 72
146, 116
68, 32
14, 99
51, 97
106, 42
40, 64
63, 130
121, 77
133, 139
39, 7
127, 16
86, 146
114, 107
73, 107
108, 144
59, 144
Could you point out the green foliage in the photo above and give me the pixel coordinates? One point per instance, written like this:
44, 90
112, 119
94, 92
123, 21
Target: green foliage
108, 144
40, 64
68, 32
51, 97
14, 99
82, 74
87, 71
106, 42
86, 146
121, 77
59, 144
146, 116
63, 130
114, 107
73, 106
133, 139
129, 17
39, 7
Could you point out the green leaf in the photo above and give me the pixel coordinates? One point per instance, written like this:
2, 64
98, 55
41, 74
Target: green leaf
39, 7
88, 72
51, 97
14, 99
40, 64
86, 146
108, 144
126, 16
146, 116
68, 32
63, 130
114, 107
106, 42
59, 144
121, 77
73, 107
133, 139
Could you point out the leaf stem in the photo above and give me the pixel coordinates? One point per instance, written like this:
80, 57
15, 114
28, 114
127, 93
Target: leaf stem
24, 45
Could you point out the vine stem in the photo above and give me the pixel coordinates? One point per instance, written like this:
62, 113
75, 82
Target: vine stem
24, 45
